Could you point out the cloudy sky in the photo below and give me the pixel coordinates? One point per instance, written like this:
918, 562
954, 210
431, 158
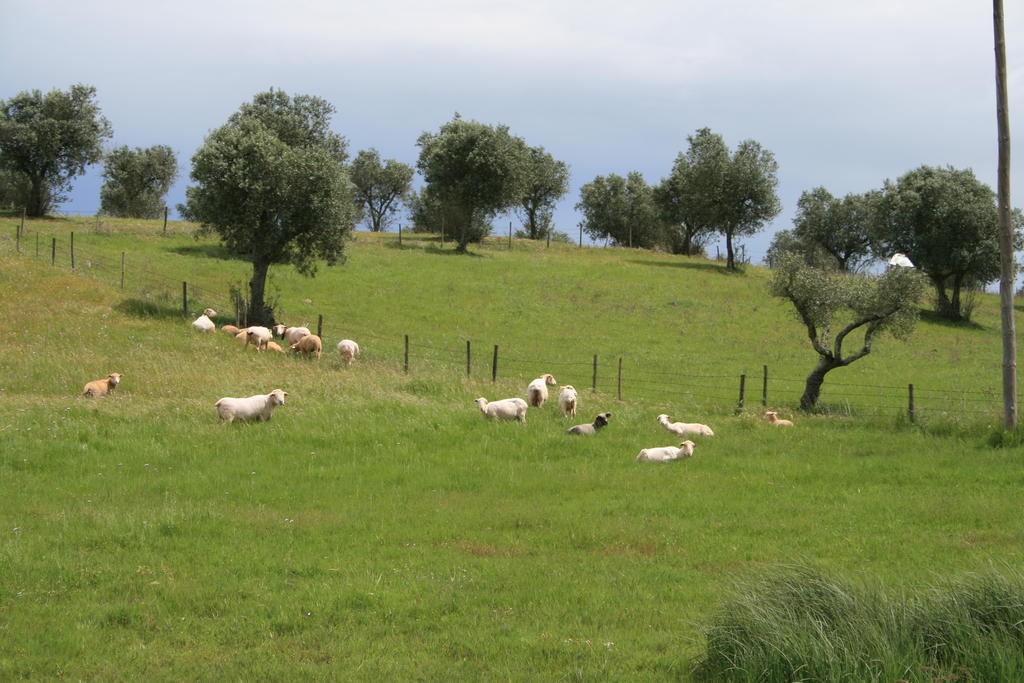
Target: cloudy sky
845, 94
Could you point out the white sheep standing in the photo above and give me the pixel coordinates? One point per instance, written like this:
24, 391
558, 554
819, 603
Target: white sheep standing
203, 322
685, 428
257, 335
258, 408
537, 390
505, 409
348, 350
567, 400
666, 453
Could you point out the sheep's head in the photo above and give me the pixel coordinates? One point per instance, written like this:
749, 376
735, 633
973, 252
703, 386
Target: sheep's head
687, 448
568, 388
550, 380
209, 312
663, 418
771, 416
277, 397
114, 378
602, 419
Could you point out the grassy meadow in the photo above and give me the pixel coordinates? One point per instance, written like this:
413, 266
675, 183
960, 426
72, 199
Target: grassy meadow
378, 526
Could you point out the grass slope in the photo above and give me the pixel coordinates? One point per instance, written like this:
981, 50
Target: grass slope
378, 526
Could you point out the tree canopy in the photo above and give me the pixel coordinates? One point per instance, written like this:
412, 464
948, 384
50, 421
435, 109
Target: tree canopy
476, 171
380, 187
136, 181
833, 306
688, 197
622, 209
840, 227
273, 185
547, 181
49, 139
945, 221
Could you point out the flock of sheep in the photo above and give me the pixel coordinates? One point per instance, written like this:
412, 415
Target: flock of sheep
568, 398
300, 340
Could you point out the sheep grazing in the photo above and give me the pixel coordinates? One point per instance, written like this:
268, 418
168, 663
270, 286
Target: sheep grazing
348, 350
666, 453
291, 335
685, 428
256, 408
102, 387
203, 322
258, 336
586, 430
773, 417
537, 390
505, 409
274, 346
308, 346
230, 329
567, 400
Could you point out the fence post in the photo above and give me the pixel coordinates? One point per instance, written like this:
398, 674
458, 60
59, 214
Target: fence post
320, 325
17, 239
399, 234
620, 378
53, 252
743, 389
494, 365
593, 381
442, 232
549, 236
165, 220
122, 278
764, 388
184, 298
72, 251
581, 235
510, 235
22, 228
407, 354
910, 403
468, 357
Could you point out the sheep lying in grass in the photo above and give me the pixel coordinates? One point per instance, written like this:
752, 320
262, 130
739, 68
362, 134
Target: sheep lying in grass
685, 428
773, 417
586, 430
505, 409
243, 336
230, 329
537, 390
666, 453
258, 408
203, 322
308, 346
348, 350
258, 336
567, 400
102, 387
274, 346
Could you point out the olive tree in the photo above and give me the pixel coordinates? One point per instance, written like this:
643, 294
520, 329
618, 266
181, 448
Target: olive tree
945, 221
47, 140
273, 185
688, 197
380, 187
475, 171
547, 181
136, 181
833, 306
622, 209
840, 227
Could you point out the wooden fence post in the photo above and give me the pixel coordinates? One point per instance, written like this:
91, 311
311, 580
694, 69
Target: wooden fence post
910, 403
184, 298
442, 232
407, 354
165, 220
17, 239
37, 245
593, 381
22, 228
72, 251
510, 235
743, 389
468, 357
122, 277
53, 252
320, 326
549, 236
764, 388
581, 235
494, 365
399, 234
620, 378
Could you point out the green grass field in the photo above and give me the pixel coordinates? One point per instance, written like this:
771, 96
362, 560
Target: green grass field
379, 527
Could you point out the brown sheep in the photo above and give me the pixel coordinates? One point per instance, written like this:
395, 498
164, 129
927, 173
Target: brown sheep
308, 346
102, 387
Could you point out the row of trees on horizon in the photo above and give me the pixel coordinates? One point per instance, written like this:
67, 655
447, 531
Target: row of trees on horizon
276, 184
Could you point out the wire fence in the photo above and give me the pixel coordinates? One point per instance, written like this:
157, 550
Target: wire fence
730, 384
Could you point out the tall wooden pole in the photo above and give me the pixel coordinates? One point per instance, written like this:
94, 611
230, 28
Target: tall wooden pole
1010, 417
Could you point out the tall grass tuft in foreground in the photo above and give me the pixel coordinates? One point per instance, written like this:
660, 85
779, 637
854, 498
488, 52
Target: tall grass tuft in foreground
798, 623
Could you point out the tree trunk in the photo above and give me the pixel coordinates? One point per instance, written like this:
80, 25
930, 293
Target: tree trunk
259, 313
730, 258
38, 198
812, 389
946, 307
